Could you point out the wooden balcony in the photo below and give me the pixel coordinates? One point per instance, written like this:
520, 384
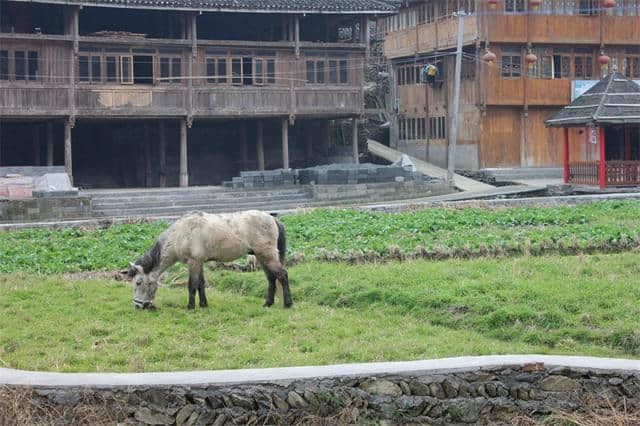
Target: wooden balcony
34, 100
118, 101
539, 92
230, 101
428, 37
563, 29
329, 101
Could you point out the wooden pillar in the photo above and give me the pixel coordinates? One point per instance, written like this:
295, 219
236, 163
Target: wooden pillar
162, 155
260, 142
68, 164
243, 144
354, 141
602, 176
308, 147
297, 34
566, 155
627, 143
184, 172
36, 144
49, 144
285, 143
148, 179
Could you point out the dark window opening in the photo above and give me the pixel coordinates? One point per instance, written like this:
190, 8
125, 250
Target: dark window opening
83, 68
333, 72
247, 71
102, 21
320, 72
271, 71
20, 68
560, 66
222, 70
311, 72
96, 69
259, 78
142, 69
32, 18
236, 71
241, 26
176, 70
344, 73
4, 65
211, 70
164, 70
112, 76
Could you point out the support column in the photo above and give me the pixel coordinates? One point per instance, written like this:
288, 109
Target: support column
184, 173
602, 176
354, 141
285, 143
162, 155
148, 178
243, 144
36, 145
49, 144
566, 155
68, 165
308, 146
260, 142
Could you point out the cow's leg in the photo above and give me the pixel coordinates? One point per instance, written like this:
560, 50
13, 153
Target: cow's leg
201, 290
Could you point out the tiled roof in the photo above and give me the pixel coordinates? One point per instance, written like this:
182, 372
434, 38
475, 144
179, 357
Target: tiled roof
613, 100
310, 6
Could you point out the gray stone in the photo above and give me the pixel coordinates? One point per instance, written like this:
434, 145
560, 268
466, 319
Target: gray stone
206, 419
450, 388
615, 381
242, 401
559, 384
221, 420
311, 398
296, 401
491, 389
405, 388
381, 387
148, 417
280, 403
184, 414
436, 390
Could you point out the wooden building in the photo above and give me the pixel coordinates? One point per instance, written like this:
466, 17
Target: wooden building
523, 60
609, 113
155, 93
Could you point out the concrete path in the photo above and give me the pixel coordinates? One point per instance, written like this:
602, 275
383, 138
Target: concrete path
275, 375
461, 182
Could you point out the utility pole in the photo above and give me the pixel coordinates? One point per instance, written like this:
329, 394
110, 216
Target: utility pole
453, 132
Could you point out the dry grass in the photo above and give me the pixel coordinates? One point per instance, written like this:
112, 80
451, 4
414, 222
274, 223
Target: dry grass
612, 415
23, 407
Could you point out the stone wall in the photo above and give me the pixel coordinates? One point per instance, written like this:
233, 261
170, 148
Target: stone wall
477, 390
375, 192
50, 208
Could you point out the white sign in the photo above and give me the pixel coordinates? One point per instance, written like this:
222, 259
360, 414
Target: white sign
593, 135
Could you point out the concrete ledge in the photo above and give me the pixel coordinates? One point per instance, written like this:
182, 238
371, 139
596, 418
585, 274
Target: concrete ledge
288, 374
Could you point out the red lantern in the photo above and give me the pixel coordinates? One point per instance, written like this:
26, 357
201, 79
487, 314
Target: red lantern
489, 56
603, 59
530, 58
609, 3
492, 3
535, 3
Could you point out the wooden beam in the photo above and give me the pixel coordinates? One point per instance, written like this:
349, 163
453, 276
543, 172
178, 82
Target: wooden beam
602, 175
36, 144
354, 141
162, 155
68, 163
285, 143
184, 172
260, 142
49, 144
566, 155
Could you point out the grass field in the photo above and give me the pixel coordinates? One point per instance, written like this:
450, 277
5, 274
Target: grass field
310, 234
398, 311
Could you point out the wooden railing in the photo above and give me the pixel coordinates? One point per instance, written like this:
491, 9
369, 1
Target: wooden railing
623, 173
584, 173
618, 173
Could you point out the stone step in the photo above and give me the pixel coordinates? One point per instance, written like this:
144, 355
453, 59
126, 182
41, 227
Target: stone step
172, 192
231, 196
134, 204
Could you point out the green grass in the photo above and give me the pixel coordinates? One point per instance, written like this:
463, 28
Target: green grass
398, 311
342, 231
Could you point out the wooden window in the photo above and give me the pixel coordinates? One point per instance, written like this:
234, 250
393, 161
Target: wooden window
631, 66
442, 8
271, 71
423, 128
112, 67
546, 66
411, 75
32, 65
96, 69
344, 72
583, 66
126, 69
216, 69
619, 10
236, 71
565, 7
511, 64
320, 72
587, 7
561, 66
170, 69
165, 71
4, 65
400, 76
468, 69
83, 68
258, 74
311, 72
176, 70
514, 6
20, 64
333, 72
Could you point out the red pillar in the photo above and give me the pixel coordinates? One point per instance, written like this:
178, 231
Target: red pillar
602, 177
566, 155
